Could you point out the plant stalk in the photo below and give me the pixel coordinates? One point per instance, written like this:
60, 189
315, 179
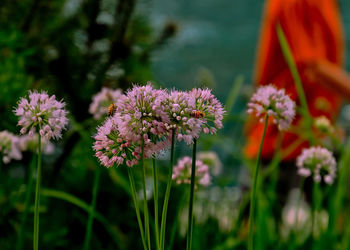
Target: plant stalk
253, 192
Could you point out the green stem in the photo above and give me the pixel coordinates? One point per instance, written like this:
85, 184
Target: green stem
294, 71
253, 192
137, 210
190, 209
167, 192
155, 184
92, 209
29, 188
37, 198
146, 216
301, 188
317, 201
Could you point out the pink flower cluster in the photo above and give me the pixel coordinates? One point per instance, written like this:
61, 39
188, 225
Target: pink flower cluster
9, 147
319, 162
42, 113
101, 101
148, 115
275, 103
111, 148
193, 112
182, 172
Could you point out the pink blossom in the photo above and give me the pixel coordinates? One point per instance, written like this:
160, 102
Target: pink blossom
319, 162
182, 172
179, 106
9, 147
210, 106
41, 113
112, 148
101, 101
140, 113
275, 103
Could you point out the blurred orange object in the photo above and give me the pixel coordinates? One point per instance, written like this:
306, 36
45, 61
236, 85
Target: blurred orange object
314, 33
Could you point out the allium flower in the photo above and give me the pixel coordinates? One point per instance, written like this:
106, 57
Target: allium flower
179, 107
100, 102
141, 113
319, 162
111, 148
275, 103
182, 172
207, 108
323, 124
42, 112
9, 147
30, 143
211, 159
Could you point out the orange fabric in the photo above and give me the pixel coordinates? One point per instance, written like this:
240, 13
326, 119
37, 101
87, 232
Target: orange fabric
314, 32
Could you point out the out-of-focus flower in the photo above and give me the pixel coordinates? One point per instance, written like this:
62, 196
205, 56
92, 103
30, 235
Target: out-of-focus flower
179, 107
211, 159
220, 204
30, 143
41, 113
9, 147
101, 101
182, 172
323, 124
209, 109
275, 103
140, 113
296, 217
319, 162
111, 148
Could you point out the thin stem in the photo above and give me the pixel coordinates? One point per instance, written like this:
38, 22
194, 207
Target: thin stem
155, 183
301, 188
294, 72
137, 210
253, 192
29, 188
167, 192
190, 209
92, 209
37, 198
146, 216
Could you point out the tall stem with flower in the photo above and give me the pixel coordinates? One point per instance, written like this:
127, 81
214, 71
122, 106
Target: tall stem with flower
43, 113
267, 102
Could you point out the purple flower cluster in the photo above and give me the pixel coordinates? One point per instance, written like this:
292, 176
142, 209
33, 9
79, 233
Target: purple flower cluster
9, 147
148, 115
42, 113
319, 162
182, 172
275, 103
100, 102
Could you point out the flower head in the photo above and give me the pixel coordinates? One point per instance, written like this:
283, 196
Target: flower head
323, 124
273, 102
182, 172
211, 159
319, 162
111, 148
179, 107
42, 112
9, 147
140, 115
100, 102
207, 108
